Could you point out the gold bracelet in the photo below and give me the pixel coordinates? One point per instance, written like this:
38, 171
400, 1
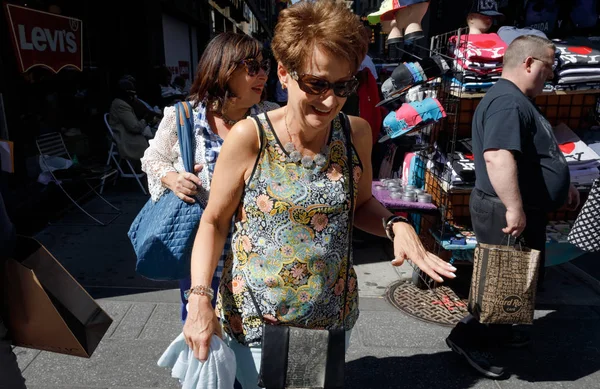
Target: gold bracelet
200, 290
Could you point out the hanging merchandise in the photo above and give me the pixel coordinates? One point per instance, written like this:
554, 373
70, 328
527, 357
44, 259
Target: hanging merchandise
584, 13
542, 15
411, 117
409, 74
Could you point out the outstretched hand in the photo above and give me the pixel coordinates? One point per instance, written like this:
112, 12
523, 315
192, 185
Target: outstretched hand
407, 245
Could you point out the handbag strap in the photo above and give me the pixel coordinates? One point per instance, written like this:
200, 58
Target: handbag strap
347, 135
185, 127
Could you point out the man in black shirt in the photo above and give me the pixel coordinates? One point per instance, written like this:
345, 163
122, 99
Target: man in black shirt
521, 174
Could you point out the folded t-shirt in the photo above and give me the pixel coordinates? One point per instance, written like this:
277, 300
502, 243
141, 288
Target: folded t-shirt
576, 79
480, 47
592, 70
578, 52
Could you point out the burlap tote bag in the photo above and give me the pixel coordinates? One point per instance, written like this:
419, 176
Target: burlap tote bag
504, 284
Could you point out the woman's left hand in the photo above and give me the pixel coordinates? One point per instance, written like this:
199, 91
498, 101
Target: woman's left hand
407, 245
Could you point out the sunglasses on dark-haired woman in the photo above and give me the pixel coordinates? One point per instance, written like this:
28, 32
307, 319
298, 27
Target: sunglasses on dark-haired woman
314, 85
253, 66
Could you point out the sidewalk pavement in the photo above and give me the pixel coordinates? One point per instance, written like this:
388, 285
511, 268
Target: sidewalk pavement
388, 348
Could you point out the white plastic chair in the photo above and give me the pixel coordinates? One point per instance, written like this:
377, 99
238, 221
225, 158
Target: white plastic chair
53, 145
113, 154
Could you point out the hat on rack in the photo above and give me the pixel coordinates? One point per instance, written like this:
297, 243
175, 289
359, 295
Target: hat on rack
412, 117
407, 75
486, 7
388, 8
386, 12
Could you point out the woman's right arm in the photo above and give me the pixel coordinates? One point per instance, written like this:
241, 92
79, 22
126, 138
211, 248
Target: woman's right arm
159, 160
234, 165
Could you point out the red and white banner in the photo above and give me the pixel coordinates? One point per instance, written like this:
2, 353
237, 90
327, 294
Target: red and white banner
45, 39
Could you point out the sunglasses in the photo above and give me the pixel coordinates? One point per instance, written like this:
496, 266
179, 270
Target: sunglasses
253, 66
317, 86
553, 65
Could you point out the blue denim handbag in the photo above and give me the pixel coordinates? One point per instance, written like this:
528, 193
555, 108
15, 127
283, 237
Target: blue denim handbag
163, 233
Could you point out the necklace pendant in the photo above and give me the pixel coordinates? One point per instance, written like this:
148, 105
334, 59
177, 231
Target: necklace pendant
295, 156
307, 162
289, 147
320, 160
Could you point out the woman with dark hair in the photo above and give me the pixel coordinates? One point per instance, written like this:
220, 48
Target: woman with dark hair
230, 79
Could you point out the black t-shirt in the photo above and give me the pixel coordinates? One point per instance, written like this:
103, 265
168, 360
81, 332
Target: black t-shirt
507, 119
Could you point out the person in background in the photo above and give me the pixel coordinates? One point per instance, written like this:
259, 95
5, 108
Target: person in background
287, 177
10, 375
143, 111
130, 133
521, 176
180, 85
228, 87
169, 94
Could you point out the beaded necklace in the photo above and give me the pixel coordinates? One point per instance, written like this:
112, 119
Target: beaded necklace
307, 161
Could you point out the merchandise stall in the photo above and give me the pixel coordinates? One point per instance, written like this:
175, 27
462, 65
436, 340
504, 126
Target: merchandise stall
441, 162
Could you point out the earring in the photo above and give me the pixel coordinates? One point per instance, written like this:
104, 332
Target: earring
283, 86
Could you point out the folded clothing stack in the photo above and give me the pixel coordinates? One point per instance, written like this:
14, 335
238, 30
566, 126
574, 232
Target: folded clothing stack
411, 117
480, 58
578, 64
582, 160
463, 170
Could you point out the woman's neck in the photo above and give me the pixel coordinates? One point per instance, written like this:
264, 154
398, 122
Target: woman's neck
235, 113
306, 137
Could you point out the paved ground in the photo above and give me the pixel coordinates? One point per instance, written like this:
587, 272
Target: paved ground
388, 348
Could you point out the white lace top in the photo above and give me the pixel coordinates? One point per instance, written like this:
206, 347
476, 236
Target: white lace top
163, 154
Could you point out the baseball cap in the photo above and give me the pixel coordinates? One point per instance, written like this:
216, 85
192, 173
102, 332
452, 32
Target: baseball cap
407, 75
486, 7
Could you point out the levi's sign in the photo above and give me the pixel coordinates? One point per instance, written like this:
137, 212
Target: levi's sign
45, 39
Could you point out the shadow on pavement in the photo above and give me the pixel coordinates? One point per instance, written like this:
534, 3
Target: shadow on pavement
566, 347
421, 371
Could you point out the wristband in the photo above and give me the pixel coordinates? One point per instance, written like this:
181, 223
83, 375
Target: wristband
389, 223
199, 290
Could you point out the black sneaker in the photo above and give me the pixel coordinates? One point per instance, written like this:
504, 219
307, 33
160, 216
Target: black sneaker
517, 339
481, 361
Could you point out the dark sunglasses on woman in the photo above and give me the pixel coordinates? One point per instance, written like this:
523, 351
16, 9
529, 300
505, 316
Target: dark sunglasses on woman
253, 66
314, 85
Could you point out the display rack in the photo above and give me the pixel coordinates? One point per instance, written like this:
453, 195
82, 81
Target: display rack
577, 109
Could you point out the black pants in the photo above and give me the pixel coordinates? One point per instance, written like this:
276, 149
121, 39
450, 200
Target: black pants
10, 375
488, 216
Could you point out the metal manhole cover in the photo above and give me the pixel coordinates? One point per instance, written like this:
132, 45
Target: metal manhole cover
440, 306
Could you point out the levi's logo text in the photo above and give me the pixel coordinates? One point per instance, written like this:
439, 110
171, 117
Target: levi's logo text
45, 39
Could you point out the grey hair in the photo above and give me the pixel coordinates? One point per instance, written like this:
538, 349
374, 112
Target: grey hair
526, 46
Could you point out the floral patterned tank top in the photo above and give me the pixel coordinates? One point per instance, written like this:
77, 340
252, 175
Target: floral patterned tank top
290, 242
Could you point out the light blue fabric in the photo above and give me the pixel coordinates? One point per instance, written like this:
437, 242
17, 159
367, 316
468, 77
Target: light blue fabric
416, 73
218, 372
428, 110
